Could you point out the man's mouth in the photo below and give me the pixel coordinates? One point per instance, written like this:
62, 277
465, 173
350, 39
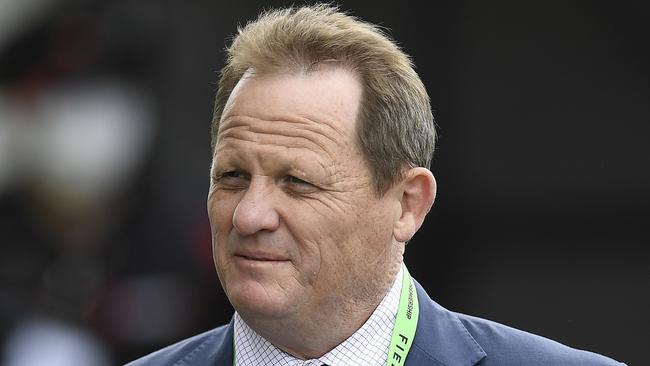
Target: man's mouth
261, 257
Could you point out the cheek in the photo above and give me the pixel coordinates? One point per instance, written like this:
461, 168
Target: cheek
364, 233
313, 237
220, 211
221, 207
327, 234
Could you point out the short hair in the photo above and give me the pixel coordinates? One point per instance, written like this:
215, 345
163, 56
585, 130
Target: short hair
395, 126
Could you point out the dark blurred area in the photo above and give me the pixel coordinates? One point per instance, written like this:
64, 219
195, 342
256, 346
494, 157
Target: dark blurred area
541, 220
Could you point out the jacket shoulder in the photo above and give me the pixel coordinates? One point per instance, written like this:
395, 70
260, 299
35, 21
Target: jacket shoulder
186, 352
509, 346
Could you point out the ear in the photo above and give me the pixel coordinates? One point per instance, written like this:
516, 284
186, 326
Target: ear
418, 191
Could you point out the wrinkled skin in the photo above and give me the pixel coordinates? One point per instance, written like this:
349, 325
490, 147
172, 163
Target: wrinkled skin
299, 234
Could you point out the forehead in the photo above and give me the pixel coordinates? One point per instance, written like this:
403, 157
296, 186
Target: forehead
324, 101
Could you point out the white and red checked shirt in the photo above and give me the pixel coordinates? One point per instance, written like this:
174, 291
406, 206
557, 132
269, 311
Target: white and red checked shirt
368, 346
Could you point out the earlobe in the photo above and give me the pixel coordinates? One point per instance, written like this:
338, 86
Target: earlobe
418, 191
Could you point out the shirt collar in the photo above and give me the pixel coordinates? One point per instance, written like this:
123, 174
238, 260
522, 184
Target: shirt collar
367, 346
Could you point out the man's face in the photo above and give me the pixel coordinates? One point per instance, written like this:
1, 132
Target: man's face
296, 225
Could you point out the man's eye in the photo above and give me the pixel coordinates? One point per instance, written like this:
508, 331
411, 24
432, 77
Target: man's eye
232, 178
298, 186
294, 180
233, 174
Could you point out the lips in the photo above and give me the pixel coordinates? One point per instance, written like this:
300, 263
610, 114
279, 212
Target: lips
261, 257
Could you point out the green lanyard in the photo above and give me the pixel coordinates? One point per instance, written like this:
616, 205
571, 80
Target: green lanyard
405, 323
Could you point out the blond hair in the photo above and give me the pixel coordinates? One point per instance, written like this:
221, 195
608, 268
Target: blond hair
395, 124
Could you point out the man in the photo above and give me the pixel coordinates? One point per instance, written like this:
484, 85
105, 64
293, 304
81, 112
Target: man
322, 133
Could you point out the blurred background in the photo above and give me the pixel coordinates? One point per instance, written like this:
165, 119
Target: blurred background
541, 220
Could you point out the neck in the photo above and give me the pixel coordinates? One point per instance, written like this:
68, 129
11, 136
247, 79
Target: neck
312, 337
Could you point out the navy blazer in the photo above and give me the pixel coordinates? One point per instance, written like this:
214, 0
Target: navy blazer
442, 338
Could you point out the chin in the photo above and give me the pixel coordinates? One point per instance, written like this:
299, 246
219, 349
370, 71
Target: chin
252, 299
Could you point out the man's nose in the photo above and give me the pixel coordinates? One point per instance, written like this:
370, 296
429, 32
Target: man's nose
255, 211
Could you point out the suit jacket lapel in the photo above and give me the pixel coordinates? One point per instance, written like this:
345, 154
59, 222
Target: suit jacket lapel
441, 338
221, 353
